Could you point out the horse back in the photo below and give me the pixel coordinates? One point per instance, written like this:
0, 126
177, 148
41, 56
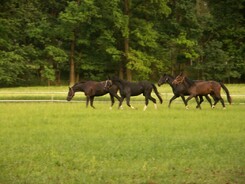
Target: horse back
94, 88
204, 87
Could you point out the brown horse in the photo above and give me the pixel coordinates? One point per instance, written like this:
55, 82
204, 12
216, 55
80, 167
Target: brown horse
180, 90
203, 88
92, 89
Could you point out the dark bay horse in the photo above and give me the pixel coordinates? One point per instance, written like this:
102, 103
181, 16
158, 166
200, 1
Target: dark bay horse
203, 88
180, 90
128, 89
92, 89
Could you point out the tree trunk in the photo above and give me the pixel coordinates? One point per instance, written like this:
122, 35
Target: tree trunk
128, 71
121, 69
126, 40
72, 62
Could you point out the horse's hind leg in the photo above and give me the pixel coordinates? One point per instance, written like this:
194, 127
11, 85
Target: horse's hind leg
153, 100
92, 101
216, 100
120, 102
209, 100
222, 102
199, 103
112, 100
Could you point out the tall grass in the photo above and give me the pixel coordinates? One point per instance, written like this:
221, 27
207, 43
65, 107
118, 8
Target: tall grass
67, 143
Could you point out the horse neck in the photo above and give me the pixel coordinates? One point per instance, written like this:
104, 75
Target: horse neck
78, 87
170, 81
119, 83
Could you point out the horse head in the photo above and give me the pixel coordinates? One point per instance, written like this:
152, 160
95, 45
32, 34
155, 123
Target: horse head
71, 94
164, 79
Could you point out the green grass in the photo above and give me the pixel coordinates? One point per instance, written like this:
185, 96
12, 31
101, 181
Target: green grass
67, 143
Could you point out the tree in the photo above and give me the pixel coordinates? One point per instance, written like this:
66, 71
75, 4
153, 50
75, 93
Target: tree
73, 19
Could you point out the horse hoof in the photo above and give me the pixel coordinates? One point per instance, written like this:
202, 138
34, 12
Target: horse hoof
187, 107
213, 106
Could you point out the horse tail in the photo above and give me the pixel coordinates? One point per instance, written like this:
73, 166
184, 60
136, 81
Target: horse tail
227, 92
157, 93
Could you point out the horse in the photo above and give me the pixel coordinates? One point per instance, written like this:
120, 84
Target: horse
92, 89
203, 88
128, 89
180, 90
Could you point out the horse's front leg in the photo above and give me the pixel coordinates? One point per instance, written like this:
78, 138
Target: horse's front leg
128, 102
146, 103
112, 100
92, 101
187, 100
87, 101
183, 99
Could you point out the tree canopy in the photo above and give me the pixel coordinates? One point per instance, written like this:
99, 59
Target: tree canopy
54, 42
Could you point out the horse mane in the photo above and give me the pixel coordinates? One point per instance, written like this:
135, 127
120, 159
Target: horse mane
181, 78
168, 75
80, 82
189, 81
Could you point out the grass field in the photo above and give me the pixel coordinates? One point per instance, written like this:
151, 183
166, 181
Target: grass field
66, 143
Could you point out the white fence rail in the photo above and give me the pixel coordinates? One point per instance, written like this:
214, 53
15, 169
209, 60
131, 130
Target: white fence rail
61, 97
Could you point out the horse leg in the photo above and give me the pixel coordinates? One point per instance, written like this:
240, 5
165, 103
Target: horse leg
120, 102
173, 98
87, 101
92, 101
146, 103
183, 99
112, 100
153, 100
216, 100
187, 100
199, 103
209, 100
128, 102
112, 95
222, 102
116, 96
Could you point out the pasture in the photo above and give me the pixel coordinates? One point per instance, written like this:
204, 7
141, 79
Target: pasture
67, 143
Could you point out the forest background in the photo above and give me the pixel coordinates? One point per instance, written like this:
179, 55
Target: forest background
48, 42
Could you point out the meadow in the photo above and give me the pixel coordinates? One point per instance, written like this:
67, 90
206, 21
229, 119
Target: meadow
68, 143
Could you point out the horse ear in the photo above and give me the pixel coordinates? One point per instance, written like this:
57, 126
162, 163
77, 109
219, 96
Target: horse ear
108, 77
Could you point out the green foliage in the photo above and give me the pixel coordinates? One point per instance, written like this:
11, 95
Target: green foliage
56, 54
163, 37
12, 66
